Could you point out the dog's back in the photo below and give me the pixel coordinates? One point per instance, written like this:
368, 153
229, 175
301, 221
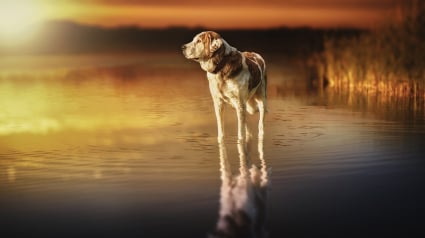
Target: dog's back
257, 86
257, 68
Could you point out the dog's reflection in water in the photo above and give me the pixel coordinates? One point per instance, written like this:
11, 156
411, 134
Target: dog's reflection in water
243, 197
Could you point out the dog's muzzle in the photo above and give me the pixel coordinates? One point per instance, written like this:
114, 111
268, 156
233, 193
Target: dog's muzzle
184, 47
188, 56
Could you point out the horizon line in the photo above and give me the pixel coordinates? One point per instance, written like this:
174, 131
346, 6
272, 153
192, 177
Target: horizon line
200, 27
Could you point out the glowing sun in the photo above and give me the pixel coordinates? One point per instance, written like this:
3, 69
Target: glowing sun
18, 18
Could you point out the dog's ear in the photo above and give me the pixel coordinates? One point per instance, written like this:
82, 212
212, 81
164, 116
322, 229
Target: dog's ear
215, 42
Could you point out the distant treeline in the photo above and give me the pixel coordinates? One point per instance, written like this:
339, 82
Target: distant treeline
389, 60
67, 37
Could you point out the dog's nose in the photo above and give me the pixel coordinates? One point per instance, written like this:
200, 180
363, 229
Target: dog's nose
183, 47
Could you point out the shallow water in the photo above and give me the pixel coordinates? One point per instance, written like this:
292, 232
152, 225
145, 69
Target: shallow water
127, 148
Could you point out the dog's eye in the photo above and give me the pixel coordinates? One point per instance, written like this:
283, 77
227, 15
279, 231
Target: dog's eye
198, 41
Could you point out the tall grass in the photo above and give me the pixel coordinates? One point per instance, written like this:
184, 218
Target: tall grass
389, 60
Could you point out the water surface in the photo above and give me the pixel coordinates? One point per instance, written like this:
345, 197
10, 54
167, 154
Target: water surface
125, 146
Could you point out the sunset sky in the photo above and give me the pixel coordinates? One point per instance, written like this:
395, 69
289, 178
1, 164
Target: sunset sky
16, 14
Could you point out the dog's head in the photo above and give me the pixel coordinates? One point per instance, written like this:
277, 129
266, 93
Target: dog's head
203, 46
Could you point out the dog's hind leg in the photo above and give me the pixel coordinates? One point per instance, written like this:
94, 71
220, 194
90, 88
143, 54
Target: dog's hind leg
261, 100
241, 114
262, 110
251, 106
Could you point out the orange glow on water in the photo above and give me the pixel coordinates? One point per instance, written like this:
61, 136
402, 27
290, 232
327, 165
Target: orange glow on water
65, 100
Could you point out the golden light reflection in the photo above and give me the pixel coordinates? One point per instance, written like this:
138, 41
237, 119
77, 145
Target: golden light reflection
97, 174
17, 118
87, 101
71, 122
73, 118
11, 174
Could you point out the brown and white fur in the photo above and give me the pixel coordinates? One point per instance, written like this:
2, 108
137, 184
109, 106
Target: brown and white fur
237, 78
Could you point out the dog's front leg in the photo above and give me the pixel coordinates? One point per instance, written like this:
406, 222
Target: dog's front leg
241, 114
218, 108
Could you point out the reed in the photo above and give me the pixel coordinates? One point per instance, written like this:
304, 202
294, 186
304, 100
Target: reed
388, 61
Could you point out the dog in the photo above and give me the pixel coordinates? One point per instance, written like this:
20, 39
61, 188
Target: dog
237, 78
